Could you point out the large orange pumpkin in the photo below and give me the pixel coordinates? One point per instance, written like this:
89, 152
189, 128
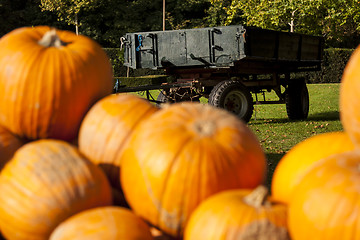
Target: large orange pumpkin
349, 101
238, 214
295, 163
183, 154
9, 143
44, 183
326, 204
48, 80
103, 223
107, 128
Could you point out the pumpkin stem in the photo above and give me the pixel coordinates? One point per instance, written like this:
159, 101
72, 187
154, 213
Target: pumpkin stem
51, 39
257, 197
204, 128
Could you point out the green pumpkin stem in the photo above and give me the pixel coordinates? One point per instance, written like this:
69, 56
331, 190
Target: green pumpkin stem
257, 197
51, 39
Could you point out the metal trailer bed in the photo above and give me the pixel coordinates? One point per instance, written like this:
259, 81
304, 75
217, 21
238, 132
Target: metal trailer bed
226, 64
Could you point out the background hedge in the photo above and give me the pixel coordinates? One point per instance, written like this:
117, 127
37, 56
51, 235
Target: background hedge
334, 62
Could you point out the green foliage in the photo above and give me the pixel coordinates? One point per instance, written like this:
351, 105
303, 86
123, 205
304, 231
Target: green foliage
20, 13
116, 58
112, 19
337, 20
218, 12
334, 62
186, 13
107, 20
67, 10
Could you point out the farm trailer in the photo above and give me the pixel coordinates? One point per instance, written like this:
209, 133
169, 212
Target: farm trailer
229, 65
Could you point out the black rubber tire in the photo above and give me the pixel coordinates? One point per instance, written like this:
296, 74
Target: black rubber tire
297, 100
234, 97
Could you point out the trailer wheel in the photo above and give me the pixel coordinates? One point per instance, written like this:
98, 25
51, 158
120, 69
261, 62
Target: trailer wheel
234, 97
297, 100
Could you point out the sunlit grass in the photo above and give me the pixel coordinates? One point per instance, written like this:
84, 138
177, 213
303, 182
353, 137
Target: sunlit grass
277, 134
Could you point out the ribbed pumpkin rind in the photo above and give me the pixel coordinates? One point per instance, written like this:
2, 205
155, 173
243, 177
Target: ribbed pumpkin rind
9, 143
46, 91
349, 102
107, 127
44, 183
327, 201
227, 215
296, 162
103, 223
169, 167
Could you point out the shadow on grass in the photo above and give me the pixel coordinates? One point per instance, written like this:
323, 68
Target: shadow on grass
272, 161
323, 116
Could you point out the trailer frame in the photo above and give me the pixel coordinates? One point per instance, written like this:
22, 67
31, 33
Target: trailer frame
247, 61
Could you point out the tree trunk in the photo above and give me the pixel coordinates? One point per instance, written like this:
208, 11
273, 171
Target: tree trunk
163, 15
76, 24
292, 21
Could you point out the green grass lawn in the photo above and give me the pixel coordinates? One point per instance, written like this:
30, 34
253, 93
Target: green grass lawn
277, 134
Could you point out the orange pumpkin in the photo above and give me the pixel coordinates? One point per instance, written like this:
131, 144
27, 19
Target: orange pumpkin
183, 154
103, 223
238, 214
9, 143
107, 128
44, 183
48, 80
326, 204
159, 235
349, 101
295, 163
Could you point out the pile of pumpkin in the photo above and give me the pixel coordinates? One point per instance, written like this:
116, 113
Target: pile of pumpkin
78, 162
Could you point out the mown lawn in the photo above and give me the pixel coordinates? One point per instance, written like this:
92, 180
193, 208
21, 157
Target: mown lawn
277, 134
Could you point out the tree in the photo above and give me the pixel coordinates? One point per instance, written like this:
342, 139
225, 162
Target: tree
217, 13
341, 24
20, 13
68, 10
186, 13
337, 20
277, 14
112, 19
